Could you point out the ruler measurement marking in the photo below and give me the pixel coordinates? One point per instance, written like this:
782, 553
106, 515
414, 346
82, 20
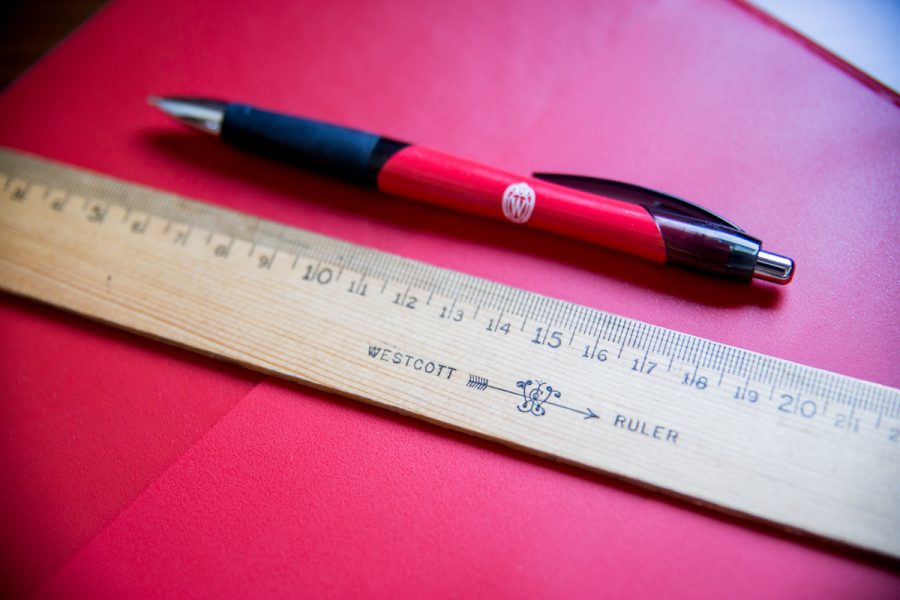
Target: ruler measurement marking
690, 350
643, 340
633, 336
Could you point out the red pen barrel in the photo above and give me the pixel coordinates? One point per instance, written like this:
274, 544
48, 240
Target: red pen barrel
659, 231
463, 185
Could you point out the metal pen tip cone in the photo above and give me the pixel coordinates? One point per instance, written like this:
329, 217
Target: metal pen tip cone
200, 113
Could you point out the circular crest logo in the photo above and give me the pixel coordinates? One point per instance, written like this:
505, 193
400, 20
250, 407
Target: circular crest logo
518, 202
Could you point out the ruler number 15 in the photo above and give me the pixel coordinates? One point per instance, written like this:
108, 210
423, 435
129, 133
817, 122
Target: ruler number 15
551, 339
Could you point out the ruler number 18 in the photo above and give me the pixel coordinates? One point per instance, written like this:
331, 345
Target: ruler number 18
698, 381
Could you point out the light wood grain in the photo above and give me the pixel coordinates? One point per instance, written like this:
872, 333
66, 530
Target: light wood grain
810, 451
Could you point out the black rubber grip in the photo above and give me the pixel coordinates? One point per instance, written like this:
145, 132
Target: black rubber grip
707, 247
340, 151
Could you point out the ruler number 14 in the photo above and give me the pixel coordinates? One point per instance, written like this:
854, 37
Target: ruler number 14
498, 326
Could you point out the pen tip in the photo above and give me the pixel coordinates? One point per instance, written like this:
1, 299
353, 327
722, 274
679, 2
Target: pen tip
200, 113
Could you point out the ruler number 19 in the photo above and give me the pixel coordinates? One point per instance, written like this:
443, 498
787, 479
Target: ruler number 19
745, 393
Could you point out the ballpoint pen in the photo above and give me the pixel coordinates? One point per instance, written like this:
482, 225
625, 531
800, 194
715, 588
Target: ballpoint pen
628, 218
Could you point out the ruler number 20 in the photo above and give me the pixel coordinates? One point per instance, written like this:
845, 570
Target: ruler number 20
789, 404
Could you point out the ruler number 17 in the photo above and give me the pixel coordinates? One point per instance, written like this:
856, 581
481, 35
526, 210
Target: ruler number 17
643, 365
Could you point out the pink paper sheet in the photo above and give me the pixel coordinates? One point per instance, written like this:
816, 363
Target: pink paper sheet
133, 469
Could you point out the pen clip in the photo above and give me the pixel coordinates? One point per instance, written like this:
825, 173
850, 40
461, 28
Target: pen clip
635, 194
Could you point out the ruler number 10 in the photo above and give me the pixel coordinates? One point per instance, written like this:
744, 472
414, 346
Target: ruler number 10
322, 276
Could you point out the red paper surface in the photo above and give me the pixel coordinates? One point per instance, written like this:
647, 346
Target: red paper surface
133, 469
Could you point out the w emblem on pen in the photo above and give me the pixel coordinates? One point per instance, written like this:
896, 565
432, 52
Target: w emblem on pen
518, 202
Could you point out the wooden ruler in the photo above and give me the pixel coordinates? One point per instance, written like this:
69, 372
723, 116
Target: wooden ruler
809, 450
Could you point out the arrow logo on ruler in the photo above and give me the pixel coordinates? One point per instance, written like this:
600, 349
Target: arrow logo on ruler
535, 396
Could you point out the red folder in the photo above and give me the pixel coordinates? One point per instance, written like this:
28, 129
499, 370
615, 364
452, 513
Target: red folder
133, 469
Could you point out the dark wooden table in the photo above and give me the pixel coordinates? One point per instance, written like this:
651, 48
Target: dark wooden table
29, 28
